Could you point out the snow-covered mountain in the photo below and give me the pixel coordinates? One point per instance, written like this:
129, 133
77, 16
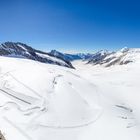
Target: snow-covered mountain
98, 57
70, 57
121, 57
18, 49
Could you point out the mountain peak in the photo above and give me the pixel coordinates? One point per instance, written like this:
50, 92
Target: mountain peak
18, 49
125, 49
121, 57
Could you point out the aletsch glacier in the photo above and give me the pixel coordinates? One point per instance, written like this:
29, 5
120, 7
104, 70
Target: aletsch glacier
57, 96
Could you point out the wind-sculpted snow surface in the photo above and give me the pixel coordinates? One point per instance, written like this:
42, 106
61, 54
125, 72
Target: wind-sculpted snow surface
119, 89
43, 101
37, 97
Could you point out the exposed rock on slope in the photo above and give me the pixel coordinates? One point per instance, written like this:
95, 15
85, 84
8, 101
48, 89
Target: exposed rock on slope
1, 136
121, 57
18, 49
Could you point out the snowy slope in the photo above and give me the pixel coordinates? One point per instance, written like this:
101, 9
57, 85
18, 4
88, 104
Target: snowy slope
35, 96
120, 99
44, 101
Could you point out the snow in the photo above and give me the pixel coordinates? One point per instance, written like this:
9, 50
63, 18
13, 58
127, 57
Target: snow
119, 89
44, 101
127, 54
52, 58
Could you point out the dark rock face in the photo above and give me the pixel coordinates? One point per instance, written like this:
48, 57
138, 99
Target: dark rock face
107, 59
1, 136
98, 57
22, 50
61, 56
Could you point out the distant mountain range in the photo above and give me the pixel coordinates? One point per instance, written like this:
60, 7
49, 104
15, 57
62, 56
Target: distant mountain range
121, 57
71, 57
103, 57
22, 50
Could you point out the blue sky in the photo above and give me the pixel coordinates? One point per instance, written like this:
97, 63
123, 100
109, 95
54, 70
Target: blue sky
71, 25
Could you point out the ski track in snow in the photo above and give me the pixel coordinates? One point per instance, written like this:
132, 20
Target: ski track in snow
21, 97
34, 107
